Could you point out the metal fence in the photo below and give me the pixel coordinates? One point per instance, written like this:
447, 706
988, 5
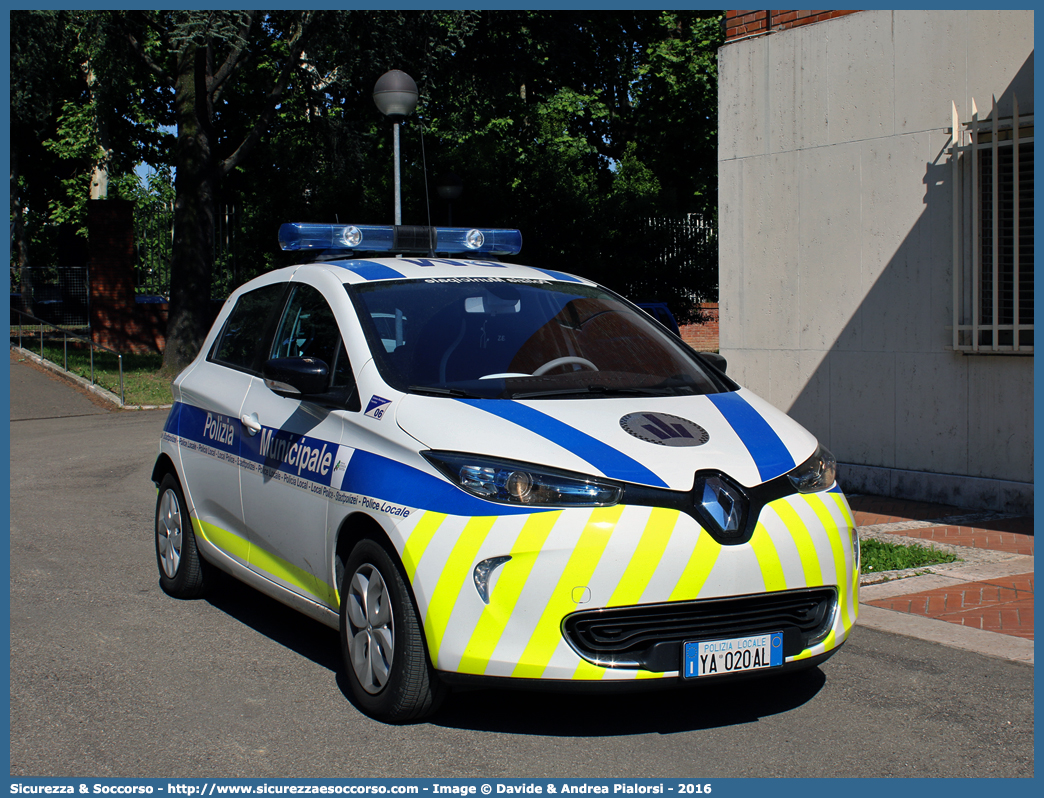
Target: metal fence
154, 244
28, 330
675, 260
58, 295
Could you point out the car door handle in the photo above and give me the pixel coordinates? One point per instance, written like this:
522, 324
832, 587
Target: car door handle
252, 423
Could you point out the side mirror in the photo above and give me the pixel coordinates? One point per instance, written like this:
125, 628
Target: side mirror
715, 360
296, 377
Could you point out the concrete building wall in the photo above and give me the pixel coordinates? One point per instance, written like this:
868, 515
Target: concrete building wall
835, 209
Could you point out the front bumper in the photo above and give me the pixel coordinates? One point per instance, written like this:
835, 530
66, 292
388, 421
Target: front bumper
569, 566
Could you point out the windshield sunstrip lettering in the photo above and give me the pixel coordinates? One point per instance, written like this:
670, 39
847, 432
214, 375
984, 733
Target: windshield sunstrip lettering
428, 262
524, 280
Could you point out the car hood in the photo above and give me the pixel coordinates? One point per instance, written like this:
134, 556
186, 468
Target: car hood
660, 441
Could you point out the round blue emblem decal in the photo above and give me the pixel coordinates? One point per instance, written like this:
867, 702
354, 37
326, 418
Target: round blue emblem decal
664, 430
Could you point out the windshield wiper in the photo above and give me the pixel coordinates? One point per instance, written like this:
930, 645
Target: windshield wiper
599, 390
432, 390
676, 385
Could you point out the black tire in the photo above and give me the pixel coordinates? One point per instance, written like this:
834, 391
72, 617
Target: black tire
385, 657
182, 571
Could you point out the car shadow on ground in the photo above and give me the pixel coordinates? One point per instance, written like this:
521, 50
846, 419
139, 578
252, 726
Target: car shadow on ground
553, 714
666, 711
266, 616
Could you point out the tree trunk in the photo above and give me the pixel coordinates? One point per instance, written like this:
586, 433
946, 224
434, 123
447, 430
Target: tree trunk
100, 171
20, 239
195, 183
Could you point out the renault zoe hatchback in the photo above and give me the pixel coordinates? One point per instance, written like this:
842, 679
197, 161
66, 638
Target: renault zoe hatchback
487, 473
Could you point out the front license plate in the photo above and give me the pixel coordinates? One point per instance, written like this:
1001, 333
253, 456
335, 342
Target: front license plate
733, 655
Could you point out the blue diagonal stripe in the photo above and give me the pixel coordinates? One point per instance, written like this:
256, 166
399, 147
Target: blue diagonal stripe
560, 276
368, 270
770, 455
372, 475
611, 462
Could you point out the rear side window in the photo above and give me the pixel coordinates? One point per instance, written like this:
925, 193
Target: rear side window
243, 336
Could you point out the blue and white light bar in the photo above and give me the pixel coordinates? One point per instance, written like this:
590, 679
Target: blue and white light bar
400, 238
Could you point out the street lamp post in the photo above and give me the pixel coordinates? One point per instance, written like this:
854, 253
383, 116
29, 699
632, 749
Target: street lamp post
396, 96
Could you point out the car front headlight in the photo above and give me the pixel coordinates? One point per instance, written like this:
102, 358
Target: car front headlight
815, 474
525, 484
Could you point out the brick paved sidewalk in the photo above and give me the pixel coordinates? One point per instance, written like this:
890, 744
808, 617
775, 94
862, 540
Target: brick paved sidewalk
1003, 533
1002, 603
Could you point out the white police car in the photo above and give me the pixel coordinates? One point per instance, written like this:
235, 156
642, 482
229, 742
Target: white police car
483, 472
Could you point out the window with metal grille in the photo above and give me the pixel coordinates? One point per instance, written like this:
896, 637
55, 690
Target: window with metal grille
993, 233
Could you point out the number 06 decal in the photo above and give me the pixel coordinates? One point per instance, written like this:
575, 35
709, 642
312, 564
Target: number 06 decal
377, 406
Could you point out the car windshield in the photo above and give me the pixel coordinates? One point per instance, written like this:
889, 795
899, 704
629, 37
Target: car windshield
522, 339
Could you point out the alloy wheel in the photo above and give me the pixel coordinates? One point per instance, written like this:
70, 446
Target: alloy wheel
371, 633
169, 533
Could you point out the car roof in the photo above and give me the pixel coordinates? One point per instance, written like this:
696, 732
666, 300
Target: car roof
365, 270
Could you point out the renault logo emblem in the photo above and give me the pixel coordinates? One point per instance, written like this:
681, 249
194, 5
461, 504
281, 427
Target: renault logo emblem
725, 504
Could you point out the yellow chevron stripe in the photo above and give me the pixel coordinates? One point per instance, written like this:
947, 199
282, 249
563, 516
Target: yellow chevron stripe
834, 532
803, 540
646, 558
638, 574
768, 559
651, 674
853, 599
842, 503
587, 672
451, 580
578, 571
502, 600
700, 564
418, 541
267, 563
830, 641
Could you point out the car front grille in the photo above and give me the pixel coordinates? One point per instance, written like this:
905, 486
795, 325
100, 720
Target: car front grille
651, 636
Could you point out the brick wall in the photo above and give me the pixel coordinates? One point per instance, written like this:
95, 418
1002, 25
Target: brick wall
118, 321
703, 337
740, 24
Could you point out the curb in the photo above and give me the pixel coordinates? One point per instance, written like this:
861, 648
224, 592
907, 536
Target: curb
966, 638
82, 382
975, 565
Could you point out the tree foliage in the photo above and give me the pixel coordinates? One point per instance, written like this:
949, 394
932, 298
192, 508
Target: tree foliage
81, 120
40, 80
577, 127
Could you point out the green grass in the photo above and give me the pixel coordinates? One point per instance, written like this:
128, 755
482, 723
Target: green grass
877, 556
144, 380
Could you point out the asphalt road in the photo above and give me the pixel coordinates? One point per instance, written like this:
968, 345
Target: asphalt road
111, 677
